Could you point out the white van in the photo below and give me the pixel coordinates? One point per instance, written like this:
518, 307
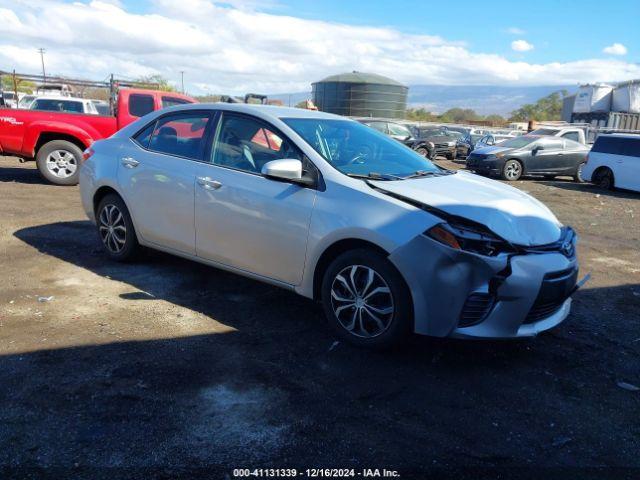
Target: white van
614, 162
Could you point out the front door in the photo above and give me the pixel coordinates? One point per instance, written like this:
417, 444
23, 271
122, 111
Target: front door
157, 172
244, 219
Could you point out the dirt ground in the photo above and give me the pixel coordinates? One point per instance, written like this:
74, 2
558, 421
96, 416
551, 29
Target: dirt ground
167, 368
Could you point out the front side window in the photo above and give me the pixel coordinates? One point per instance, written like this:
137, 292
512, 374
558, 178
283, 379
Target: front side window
245, 143
140, 105
171, 101
354, 149
181, 135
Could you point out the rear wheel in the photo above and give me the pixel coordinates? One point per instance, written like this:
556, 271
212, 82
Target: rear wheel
116, 229
604, 179
512, 170
366, 300
58, 161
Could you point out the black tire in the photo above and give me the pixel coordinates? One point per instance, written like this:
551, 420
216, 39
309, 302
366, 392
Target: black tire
512, 170
398, 323
423, 151
69, 155
578, 175
127, 248
603, 178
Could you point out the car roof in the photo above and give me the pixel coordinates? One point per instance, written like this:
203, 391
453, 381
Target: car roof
273, 111
620, 135
58, 97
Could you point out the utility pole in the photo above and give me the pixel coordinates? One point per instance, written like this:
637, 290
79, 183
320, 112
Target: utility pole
182, 79
44, 75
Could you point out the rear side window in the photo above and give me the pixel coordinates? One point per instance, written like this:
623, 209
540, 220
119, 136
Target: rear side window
181, 135
171, 101
611, 145
140, 105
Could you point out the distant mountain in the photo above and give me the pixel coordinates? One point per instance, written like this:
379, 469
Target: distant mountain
484, 99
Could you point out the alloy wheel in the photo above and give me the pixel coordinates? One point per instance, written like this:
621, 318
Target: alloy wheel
113, 230
362, 301
61, 163
512, 171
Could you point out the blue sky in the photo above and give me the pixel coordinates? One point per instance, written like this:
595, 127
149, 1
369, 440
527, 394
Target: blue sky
561, 30
235, 46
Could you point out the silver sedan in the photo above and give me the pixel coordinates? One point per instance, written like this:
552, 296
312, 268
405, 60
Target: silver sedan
388, 242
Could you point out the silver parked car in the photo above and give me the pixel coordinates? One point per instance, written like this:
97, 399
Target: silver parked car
335, 211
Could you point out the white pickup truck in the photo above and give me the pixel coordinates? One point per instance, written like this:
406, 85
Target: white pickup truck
572, 133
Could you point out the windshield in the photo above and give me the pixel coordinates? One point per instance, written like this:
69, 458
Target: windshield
544, 131
518, 142
355, 149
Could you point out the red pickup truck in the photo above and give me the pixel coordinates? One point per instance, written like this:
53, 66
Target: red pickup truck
56, 140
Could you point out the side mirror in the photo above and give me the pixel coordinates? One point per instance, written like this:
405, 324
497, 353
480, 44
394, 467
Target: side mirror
537, 148
287, 169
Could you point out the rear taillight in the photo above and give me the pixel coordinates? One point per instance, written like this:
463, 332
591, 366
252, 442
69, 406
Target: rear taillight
86, 155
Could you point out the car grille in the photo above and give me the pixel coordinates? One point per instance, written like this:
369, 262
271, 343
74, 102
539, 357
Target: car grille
556, 288
475, 309
442, 146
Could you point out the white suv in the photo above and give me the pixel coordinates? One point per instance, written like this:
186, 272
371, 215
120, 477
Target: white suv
614, 161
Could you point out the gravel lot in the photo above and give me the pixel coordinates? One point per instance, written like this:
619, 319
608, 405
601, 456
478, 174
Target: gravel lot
166, 368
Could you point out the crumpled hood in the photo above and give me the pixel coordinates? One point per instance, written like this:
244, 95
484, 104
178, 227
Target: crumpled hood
510, 213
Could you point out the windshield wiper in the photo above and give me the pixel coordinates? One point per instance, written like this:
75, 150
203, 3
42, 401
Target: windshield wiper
375, 176
429, 173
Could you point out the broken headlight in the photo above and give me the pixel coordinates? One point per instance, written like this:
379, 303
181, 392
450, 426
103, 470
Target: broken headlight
470, 238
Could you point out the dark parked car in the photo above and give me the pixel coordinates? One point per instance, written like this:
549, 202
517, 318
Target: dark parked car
404, 135
530, 154
466, 144
444, 141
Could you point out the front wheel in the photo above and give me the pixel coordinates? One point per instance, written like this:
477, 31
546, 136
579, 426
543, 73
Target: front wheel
578, 176
512, 170
59, 161
366, 300
604, 179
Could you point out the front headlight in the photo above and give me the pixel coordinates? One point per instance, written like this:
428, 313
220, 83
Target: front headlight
470, 238
431, 145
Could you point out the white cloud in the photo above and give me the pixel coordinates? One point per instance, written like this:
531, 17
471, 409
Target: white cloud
521, 46
515, 31
233, 49
615, 49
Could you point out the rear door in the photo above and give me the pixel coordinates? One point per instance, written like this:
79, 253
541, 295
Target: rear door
157, 173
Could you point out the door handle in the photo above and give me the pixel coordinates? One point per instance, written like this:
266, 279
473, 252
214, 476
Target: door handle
208, 183
129, 162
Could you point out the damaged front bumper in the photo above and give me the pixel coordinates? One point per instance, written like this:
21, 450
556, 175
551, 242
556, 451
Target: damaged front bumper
462, 294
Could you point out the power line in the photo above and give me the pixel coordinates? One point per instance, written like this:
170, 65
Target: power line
182, 79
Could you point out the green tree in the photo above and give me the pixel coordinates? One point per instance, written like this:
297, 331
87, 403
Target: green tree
23, 85
156, 81
459, 115
419, 114
547, 108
